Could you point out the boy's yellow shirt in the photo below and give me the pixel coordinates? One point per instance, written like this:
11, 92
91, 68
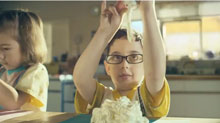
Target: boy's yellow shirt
154, 107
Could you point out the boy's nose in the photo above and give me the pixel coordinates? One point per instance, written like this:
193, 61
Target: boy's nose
124, 63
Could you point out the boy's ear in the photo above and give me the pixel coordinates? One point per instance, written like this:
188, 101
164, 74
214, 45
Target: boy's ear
107, 68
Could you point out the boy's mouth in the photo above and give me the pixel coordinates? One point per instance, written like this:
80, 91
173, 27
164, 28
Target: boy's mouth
125, 76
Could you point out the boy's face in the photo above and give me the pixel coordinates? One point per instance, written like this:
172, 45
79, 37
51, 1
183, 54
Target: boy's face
125, 76
10, 53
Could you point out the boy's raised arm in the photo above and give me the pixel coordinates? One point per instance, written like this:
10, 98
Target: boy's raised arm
88, 62
154, 50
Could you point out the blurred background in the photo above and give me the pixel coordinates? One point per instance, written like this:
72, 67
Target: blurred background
191, 32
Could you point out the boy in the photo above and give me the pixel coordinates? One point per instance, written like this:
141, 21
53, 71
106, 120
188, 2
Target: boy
137, 71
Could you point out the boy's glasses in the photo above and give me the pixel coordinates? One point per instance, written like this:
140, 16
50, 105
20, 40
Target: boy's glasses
131, 59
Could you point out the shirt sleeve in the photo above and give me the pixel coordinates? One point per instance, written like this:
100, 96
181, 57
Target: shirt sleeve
82, 106
35, 82
156, 111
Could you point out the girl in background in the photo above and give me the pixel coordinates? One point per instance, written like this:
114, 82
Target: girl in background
23, 78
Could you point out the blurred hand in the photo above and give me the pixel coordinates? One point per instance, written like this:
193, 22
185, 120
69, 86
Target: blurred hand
112, 16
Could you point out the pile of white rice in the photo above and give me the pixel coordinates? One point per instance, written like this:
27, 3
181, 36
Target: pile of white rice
120, 111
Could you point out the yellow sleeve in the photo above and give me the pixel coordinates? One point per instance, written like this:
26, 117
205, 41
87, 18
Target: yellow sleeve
81, 105
35, 82
156, 111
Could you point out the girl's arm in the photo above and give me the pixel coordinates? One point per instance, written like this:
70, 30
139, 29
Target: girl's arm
154, 50
10, 98
84, 71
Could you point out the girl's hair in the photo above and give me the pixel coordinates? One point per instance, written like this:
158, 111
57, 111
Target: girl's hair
27, 29
123, 33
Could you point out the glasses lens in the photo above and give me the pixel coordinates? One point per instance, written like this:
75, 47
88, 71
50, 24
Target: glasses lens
114, 59
135, 58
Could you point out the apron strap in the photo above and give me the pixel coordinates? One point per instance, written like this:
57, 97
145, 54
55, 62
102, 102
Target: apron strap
2, 70
18, 78
141, 103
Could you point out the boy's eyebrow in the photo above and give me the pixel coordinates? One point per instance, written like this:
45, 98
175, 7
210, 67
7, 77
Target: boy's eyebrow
115, 53
133, 51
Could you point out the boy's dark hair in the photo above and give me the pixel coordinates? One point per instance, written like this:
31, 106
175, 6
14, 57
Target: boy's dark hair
123, 33
27, 29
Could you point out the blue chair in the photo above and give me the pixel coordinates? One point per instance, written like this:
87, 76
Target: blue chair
66, 81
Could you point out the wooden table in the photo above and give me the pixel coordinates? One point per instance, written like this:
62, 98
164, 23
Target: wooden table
54, 117
39, 117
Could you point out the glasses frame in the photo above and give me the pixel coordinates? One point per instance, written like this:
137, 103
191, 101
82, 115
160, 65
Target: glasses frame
124, 57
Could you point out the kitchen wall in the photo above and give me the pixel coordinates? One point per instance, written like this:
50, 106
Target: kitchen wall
73, 22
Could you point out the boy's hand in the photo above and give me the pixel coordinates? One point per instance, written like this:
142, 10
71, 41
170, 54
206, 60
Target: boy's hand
111, 17
121, 7
146, 5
